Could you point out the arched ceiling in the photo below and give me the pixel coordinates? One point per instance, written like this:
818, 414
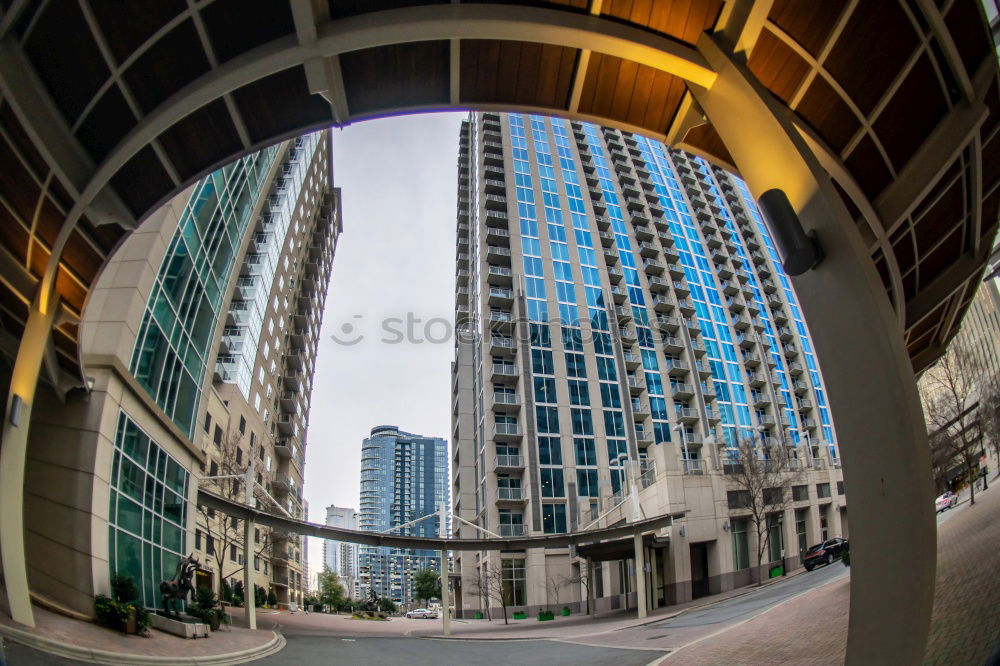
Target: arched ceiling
108, 108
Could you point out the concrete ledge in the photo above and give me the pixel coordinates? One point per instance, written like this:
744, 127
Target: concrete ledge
93, 656
178, 628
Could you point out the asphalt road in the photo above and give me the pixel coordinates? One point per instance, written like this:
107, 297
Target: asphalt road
409, 651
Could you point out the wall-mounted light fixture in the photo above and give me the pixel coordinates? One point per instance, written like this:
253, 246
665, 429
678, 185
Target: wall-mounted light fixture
725, 526
682, 530
16, 404
799, 250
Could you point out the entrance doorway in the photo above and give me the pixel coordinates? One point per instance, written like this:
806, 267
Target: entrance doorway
699, 570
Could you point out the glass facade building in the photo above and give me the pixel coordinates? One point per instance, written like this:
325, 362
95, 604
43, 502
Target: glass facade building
617, 296
403, 477
174, 342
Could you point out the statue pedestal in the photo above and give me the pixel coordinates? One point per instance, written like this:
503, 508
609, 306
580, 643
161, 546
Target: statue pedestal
185, 627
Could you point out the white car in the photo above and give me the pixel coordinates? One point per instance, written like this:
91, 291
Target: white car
946, 501
422, 614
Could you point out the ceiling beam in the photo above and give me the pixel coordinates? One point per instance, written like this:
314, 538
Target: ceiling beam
323, 74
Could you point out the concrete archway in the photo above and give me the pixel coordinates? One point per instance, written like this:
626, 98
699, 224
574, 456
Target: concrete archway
107, 124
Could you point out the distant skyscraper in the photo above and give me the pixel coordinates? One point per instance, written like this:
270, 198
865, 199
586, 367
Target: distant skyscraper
342, 556
624, 303
403, 477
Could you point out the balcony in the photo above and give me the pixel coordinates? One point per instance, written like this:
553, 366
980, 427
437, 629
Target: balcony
643, 233
508, 531
653, 267
498, 254
672, 345
508, 463
681, 391
729, 287
500, 296
503, 372
791, 351
741, 322
795, 369
799, 387
610, 256
290, 401
636, 385
497, 234
492, 186
677, 368
693, 466
713, 416
647, 249
809, 424
615, 274
607, 238
644, 436
499, 275
676, 271
627, 334
506, 402
619, 294
510, 495
661, 304
501, 320
769, 286
666, 323
686, 306
756, 379
687, 414
745, 341
681, 289
504, 346
658, 284
507, 432
639, 410
785, 333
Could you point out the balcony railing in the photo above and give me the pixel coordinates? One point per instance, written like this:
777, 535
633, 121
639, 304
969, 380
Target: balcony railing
512, 530
693, 466
508, 462
510, 494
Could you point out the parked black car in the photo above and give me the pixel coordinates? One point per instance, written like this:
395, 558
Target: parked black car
825, 553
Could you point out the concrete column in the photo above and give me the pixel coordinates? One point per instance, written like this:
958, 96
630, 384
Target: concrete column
13, 455
640, 575
654, 573
445, 602
869, 379
248, 590
591, 586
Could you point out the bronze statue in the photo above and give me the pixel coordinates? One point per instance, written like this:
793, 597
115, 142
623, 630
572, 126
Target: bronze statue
180, 585
372, 603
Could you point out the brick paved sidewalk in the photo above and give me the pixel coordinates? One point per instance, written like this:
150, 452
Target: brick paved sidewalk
965, 627
83, 638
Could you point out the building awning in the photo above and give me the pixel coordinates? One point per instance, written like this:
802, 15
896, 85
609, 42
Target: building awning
619, 549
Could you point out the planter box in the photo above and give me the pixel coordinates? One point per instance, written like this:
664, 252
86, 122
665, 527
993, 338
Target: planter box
477, 616
565, 612
776, 571
520, 616
544, 616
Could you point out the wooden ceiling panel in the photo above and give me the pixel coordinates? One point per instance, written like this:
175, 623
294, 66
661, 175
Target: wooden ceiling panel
777, 66
518, 73
127, 25
828, 114
916, 107
630, 93
173, 61
195, 143
707, 140
941, 257
265, 120
947, 212
397, 76
868, 58
808, 23
683, 20
968, 30
868, 167
236, 27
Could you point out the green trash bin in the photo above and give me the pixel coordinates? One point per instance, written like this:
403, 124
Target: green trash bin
777, 571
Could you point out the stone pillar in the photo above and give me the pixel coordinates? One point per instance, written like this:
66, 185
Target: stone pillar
640, 575
869, 379
13, 455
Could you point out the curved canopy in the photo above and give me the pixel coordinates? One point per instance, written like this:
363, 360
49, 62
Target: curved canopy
274, 521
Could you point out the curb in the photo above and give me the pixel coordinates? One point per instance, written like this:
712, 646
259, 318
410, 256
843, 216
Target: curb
95, 656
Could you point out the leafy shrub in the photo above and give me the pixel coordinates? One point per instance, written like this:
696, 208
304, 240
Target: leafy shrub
114, 612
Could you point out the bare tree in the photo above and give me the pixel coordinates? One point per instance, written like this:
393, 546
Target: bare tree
952, 383
581, 579
489, 584
762, 478
230, 461
554, 584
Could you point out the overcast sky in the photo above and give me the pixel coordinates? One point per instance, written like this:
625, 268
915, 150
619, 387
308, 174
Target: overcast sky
395, 259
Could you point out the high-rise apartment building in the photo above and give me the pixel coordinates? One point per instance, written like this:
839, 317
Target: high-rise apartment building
183, 395
341, 557
403, 477
624, 318
267, 351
